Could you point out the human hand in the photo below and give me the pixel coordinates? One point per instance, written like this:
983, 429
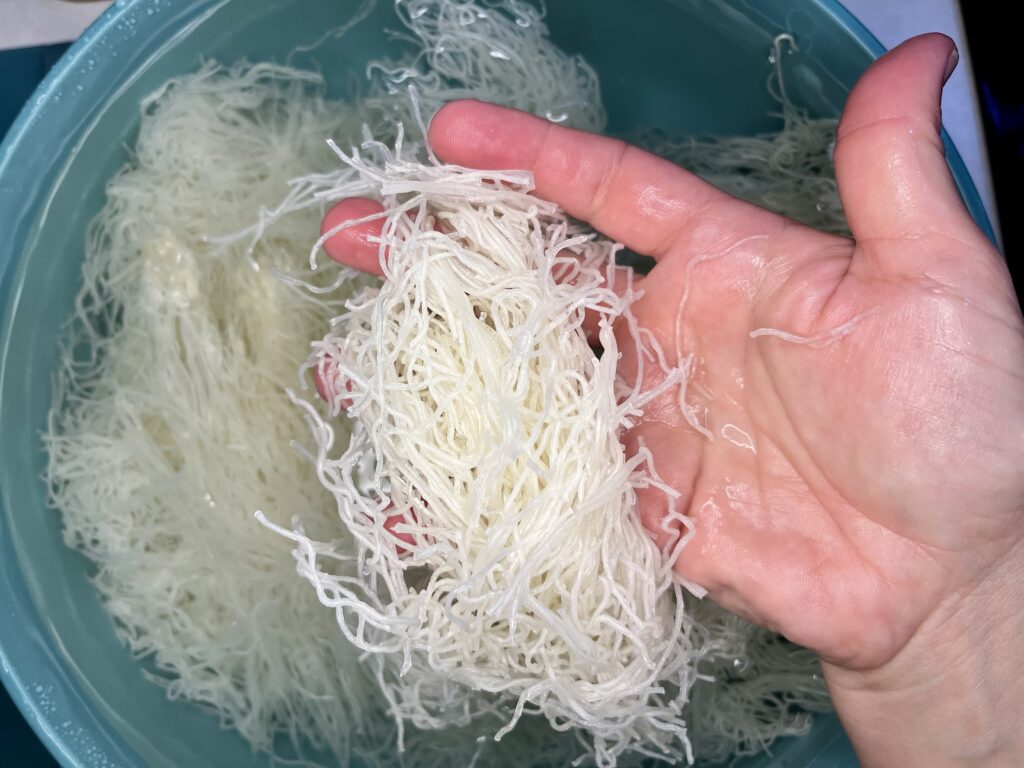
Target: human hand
861, 483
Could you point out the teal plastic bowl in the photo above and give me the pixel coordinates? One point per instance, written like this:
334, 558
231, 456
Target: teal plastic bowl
684, 65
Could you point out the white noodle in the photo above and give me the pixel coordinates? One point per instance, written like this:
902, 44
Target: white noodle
174, 428
823, 339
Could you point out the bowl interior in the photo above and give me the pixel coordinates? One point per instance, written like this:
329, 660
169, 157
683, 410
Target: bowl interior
702, 68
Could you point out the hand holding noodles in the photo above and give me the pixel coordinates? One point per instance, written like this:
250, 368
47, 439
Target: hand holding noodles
524, 570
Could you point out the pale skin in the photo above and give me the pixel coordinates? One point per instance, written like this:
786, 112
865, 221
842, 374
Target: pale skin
863, 494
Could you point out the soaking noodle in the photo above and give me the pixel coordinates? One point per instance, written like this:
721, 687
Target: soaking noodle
170, 427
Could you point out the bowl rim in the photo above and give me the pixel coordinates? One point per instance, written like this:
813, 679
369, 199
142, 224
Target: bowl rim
18, 140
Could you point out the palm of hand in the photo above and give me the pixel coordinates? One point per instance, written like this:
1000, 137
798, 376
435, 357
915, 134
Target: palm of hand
833, 501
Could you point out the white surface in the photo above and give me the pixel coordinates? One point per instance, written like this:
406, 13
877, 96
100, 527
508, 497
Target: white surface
41, 22
892, 22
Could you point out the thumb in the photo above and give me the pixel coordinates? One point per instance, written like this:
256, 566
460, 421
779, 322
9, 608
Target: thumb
890, 161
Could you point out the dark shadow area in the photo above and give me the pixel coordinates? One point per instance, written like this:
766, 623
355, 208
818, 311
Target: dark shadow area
993, 45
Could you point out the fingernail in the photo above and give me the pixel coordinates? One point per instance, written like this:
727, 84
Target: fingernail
951, 62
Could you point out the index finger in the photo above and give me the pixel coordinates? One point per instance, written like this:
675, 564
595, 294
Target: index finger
356, 246
630, 195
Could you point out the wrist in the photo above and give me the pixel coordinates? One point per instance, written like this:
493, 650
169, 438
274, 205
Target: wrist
953, 695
